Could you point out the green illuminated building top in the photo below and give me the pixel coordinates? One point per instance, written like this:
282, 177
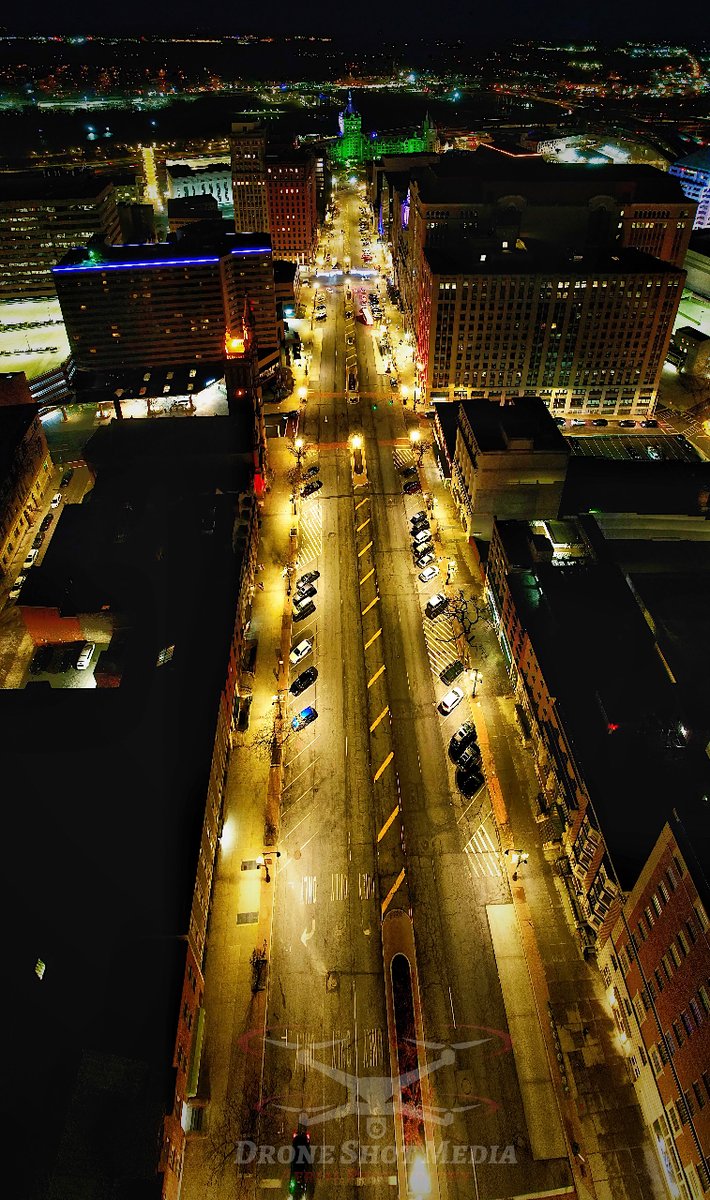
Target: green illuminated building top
354, 146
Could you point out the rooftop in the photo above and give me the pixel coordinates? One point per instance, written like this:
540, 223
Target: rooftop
698, 161
15, 420
116, 779
532, 256
483, 175
54, 185
522, 424
192, 246
615, 486
616, 700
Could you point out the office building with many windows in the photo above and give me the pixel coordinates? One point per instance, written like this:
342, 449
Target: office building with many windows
693, 173
172, 302
275, 190
248, 149
44, 215
588, 334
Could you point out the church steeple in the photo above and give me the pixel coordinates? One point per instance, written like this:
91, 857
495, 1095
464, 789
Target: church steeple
349, 109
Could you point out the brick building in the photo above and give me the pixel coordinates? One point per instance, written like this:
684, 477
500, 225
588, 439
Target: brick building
25, 475
275, 191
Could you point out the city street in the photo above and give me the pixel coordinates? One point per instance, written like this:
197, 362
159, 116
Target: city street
381, 856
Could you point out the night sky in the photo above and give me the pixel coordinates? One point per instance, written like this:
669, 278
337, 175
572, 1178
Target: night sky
445, 20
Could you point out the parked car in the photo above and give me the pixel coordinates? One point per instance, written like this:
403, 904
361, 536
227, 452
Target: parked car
650, 423
86, 654
419, 516
577, 421
38, 540
300, 651
17, 587
308, 577
428, 574
67, 476
311, 472
470, 760
30, 560
599, 421
408, 471
304, 718
56, 500
46, 522
426, 544
312, 487
303, 681
464, 736
452, 672
411, 487
423, 560
436, 604
469, 783
655, 453
450, 701
627, 424
303, 609
421, 537
560, 421
305, 591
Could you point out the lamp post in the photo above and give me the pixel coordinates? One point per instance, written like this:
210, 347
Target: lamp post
299, 446
263, 860
415, 438
518, 859
303, 393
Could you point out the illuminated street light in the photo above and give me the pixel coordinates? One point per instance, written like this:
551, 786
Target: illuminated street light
302, 393
356, 441
518, 858
261, 862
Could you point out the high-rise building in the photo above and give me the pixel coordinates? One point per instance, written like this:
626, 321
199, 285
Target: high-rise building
248, 146
587, 334
172, 302
537, 266
291, 200
274, 188
42, 216
693, 173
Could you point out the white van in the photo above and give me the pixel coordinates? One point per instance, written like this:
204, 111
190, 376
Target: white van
84, 659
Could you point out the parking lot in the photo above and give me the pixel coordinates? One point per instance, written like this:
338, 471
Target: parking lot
635, 447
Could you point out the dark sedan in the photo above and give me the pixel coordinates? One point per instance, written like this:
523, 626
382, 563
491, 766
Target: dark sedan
303, 681
312, 487
411, 487
308, 577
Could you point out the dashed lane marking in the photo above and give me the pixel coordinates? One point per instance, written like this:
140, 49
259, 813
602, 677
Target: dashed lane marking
376, 676
384, 766
361, 502
366, 522
373, 638
392, 817
364, 550
366, 577
392, 892
372, 604
377, 720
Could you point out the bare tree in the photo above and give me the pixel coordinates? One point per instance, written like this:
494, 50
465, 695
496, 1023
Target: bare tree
466, 612
269, 737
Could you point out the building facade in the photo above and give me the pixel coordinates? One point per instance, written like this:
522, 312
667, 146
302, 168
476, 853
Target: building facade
214, 180
42, 217
291, 203
693, 173
589, 337
25, 475
656, 967
248, 150
172, 302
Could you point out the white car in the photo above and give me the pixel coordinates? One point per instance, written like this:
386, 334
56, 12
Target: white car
29, 561
83, 662
56, 500
300, 651
428, 573
450, 701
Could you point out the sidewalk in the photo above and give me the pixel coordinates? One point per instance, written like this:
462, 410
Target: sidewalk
241, 914
589, 1071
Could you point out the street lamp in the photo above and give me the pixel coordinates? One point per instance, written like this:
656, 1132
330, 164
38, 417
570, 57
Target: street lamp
302, 393
261, 862
518, 859
298, 447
